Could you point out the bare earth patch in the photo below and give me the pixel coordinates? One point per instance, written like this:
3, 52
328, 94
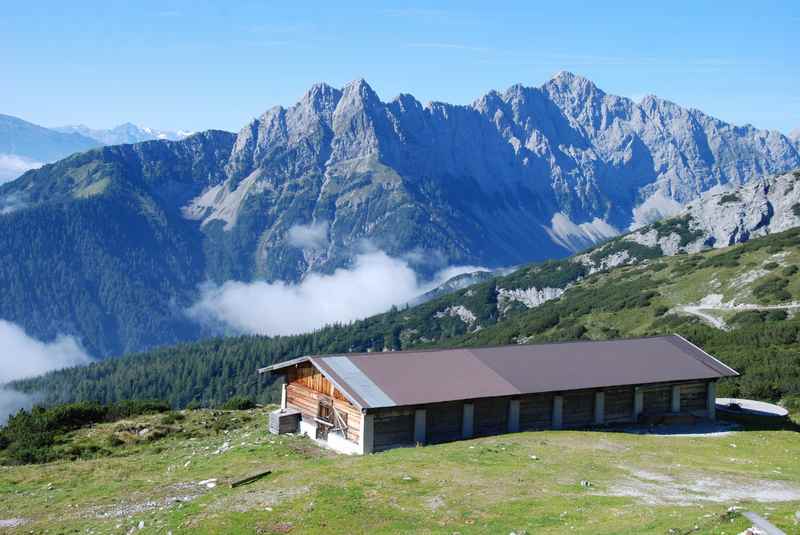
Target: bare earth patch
179, 493
654, 488
258, 499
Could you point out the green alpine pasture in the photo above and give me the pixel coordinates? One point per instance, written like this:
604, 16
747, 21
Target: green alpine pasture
171, 472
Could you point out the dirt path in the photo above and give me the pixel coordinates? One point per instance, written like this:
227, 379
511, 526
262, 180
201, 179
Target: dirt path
713, 302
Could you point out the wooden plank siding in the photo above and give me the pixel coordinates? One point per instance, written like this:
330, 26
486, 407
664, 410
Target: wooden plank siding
491, 416
535, 412
393, 428
443, 422
657, 399
619, 404
309, 376
306, 400
693, 396
578, 408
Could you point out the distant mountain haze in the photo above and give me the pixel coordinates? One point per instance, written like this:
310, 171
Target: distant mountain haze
124, 133
25, 145
114, 245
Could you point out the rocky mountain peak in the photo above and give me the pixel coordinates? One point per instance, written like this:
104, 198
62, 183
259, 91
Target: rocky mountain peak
567, 82
322, 96
360, 90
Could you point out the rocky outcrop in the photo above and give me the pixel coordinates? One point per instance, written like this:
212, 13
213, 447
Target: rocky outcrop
725, 216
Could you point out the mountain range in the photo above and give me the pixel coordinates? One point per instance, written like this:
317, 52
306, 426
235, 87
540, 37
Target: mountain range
124, 133
113, 244
24, 145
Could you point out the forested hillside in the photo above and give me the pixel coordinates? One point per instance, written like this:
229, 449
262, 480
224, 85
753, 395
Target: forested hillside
748, 291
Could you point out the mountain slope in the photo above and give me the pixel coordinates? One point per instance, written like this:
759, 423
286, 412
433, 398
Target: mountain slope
755, 289
523, 175
93, 244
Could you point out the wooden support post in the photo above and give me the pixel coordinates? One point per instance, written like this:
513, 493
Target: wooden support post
558, 411
420, 417
599, 408
367, 436
283, 396
676, 398
513, 416
711, 400
638, 402
467, 422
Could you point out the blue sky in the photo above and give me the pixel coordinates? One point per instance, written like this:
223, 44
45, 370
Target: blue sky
198, 65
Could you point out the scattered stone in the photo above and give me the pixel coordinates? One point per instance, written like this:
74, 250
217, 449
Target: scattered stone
141, 524
222, 449
407, 478
12, 522
753, 531
143, 432
50, 486
585, 483
534, 457
208, 483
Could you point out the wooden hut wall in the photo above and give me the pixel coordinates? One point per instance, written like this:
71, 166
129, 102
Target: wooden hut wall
693, 396
491, 416
619, 404
443, 421
393, 428
306, 388
578, 408
308, 375
657, 399
535, 412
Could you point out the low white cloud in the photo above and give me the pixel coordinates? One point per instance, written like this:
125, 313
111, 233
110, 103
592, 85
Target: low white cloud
372, 285
11, 203
12, 166
24, 356
311, 236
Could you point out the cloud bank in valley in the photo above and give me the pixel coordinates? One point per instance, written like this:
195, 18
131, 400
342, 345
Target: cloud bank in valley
24, 356
372, 285
12, 166
311, 236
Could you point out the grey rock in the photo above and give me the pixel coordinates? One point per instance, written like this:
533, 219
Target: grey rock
725, 216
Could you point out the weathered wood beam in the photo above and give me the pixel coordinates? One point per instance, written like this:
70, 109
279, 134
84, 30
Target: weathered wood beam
250, 479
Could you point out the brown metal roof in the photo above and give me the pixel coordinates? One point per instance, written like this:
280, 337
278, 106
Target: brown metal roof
418, 377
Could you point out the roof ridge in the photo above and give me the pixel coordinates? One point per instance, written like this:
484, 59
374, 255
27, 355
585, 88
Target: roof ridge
492, 346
